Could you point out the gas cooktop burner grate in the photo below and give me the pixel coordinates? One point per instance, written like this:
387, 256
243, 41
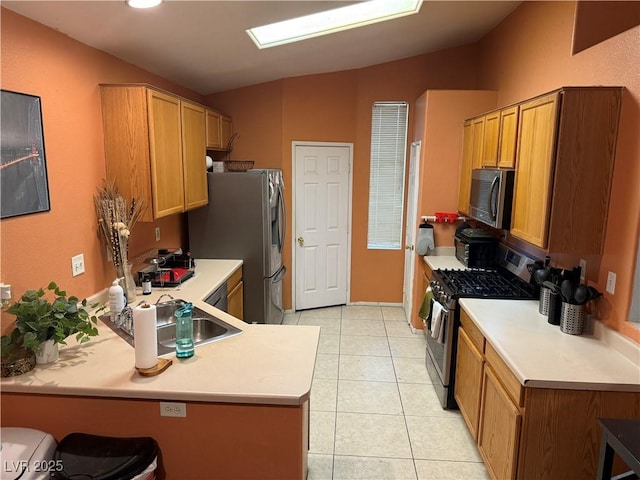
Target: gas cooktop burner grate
484, 283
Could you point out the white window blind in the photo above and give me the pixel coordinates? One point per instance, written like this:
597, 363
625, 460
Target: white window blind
386, 181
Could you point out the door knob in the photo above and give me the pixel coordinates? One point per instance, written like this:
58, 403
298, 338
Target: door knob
408, 247
300, 241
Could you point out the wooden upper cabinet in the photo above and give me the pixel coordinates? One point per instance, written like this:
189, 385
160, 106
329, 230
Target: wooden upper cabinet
219, 130
154, 142
214, 133
491, 138
508, 137
226, 130
165, 132
532, 190
477, 125
466, 166
472, 151
565, 157
499, 138
196, 193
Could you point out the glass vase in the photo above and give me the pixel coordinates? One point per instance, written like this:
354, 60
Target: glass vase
128, 283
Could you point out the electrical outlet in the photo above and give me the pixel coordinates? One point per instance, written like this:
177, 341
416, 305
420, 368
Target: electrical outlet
583, 270
5, 294
173, 409
77, 265
157, 234
611, 282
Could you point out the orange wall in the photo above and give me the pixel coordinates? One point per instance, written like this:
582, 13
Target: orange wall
529, 54
336, 107
66, 75
439, 115
443, 113
212, 442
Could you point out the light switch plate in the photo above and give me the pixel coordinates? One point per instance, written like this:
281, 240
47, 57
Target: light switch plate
157, 234
77, 265
611, 282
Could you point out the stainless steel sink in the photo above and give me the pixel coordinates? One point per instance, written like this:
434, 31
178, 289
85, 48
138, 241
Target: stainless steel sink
206, 327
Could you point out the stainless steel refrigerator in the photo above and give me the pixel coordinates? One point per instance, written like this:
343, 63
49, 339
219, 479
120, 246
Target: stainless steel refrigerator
246, 219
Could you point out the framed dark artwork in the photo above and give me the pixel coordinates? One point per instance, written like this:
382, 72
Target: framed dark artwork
24, 187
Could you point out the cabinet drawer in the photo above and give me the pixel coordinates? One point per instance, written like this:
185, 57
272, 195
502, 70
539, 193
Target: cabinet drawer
472, 331
234, 279
507, 378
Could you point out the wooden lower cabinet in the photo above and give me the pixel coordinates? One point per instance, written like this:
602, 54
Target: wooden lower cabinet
530, 433
235, 295
468, 386
500, 421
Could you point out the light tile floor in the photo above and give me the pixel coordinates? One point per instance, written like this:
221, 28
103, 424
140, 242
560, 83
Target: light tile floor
374, 414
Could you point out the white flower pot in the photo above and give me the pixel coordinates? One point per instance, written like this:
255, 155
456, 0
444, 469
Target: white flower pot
47, 353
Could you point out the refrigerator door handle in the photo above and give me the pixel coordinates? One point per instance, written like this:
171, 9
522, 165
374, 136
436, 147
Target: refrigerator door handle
282, 220
279, 275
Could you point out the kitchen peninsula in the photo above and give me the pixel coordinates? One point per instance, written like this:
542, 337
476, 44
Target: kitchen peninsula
247, 396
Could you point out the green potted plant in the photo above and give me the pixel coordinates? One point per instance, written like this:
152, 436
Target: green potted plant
41, 325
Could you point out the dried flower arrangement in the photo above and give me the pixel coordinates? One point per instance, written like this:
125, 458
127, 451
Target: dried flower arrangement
116, 220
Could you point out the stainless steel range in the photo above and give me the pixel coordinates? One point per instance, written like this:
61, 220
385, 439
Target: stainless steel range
510, 279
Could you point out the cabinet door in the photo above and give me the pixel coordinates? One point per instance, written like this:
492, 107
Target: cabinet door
166, 153
126, 142
234, 301
235, 289
465, 170
508, 137
226, 130
490, 141
193, 153
477, 125
468, 384
500, 422
214, 138
534, 175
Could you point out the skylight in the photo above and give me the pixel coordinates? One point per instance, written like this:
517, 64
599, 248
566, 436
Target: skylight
331, 21
143, 3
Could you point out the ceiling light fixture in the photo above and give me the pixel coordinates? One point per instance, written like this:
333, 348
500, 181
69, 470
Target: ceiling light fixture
332, 21
143, 3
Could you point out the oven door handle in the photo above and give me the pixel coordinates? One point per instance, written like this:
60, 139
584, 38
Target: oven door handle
445, 309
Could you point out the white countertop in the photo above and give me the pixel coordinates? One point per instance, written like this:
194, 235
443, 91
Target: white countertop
265, 364
541, 356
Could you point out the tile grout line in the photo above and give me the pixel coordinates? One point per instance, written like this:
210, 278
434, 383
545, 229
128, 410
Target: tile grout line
404, 414
335, 423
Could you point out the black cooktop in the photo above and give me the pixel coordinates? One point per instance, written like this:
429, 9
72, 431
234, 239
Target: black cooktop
484, 283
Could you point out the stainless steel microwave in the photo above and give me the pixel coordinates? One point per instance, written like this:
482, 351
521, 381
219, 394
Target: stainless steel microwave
491, 196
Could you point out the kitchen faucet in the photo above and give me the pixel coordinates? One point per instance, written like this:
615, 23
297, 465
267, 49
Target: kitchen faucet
162, 296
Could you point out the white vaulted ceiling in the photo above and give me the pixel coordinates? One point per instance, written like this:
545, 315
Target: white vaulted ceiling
202, 45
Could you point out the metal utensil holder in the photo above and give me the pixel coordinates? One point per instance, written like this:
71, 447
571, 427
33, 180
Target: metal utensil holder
572, 319
545, 298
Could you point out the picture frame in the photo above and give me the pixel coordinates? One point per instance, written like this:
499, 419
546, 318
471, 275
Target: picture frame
24, 186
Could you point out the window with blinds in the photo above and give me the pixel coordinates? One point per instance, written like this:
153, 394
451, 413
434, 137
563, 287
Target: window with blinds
386, 181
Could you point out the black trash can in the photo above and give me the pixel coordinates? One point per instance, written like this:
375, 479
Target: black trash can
83, 456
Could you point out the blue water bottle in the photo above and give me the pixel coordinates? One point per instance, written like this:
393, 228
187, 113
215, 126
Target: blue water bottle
184, 331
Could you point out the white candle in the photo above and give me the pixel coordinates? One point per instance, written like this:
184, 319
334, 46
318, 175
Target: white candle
145, 336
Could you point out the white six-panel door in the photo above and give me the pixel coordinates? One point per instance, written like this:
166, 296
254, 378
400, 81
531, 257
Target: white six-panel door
410, 230
322, 205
